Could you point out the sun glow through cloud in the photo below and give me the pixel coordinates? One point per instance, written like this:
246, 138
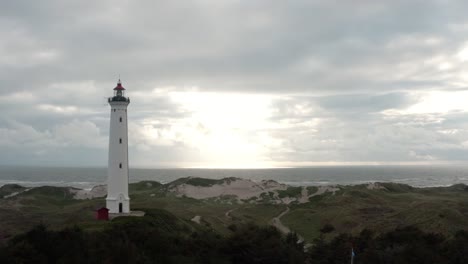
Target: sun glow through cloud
433, 102
228, 125
441, 102
227, 130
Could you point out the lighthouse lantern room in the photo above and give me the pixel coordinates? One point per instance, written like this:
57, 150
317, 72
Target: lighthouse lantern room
117, 200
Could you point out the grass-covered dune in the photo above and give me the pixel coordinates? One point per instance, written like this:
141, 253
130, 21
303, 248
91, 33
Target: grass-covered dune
220, 204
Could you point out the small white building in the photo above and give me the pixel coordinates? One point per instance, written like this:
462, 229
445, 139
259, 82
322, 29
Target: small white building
117, 200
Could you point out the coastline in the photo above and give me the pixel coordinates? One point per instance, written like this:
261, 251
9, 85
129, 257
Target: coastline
87, 178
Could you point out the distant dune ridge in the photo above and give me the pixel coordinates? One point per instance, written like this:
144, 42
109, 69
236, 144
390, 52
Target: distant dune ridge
95, 192
200, 188
240, 189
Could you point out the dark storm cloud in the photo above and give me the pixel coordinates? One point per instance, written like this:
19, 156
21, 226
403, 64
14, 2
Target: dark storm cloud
250, 46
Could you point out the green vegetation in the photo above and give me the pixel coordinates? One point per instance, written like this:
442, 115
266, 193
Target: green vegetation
232, 231
9, 189
407, 245
260, 214
49, 194
397, 187
312, 189
351, 209
160, 237
195, 181
355, 208
144, 186
290, 192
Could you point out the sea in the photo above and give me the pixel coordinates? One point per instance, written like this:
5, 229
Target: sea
86, 178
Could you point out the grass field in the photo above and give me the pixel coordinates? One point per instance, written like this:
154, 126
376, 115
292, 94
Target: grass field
351, 209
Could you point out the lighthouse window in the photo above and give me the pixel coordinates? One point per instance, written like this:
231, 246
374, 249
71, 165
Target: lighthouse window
114, 110
120, 140
120, 165
121, 119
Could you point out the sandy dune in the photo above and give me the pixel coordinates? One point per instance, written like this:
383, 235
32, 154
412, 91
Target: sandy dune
241, 188
96, 191
246, 189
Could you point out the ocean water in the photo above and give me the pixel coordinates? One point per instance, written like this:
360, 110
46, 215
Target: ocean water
418, 176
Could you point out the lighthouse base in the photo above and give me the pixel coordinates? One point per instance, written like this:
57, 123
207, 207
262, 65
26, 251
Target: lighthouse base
118, 206
132, 213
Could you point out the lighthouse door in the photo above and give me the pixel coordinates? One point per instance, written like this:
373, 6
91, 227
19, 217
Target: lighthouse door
121, 199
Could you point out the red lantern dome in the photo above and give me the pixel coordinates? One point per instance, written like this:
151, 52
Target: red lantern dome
119, 86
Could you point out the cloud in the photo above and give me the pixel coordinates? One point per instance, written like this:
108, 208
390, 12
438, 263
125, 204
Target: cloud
80, 133
229, 83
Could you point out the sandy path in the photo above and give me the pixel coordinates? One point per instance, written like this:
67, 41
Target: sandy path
96, 191
228, 213
323, 189
304, 195
196, 219
16, 193
276, 222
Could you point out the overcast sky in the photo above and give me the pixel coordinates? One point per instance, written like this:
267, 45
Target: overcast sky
235, 83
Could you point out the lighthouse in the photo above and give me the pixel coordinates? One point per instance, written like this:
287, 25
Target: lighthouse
117, 200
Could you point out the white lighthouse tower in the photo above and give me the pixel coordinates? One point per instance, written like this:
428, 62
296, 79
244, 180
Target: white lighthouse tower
117, 200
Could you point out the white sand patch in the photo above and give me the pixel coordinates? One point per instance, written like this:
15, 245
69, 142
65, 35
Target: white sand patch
11, 195
244, 189
241, 188
276, 222
228, 213
323, 189
15, 193
375, 186
96, 191
196, 219
288, 200
304, 195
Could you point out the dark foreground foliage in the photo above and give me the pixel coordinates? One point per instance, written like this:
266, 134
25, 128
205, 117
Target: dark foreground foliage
406, 245
160, 237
